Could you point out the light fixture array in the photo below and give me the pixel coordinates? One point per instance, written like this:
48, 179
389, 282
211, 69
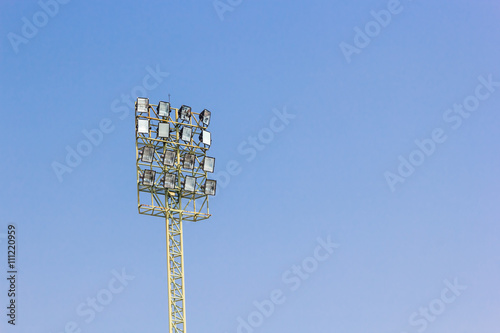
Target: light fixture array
172, 182
171, 155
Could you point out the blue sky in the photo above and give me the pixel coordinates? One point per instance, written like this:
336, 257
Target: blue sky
388, 152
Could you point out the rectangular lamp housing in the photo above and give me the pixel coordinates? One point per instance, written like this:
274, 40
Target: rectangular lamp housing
205, 117
169, 181
210, 186
188, 161
208, 164
190, 184
148, 177
147, 154
163, 130
186, 133
205, 138
142, 104
185, 113
163, 109
143, 126
169, 158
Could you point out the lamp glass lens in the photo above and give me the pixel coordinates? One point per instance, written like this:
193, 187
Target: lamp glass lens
143, 126
186, 134
209, 164
169, 181
163, 109
147, 154
148, 178
205, 137
142, 104
169, 158
188, 161
185, 113
163, 130
190, 184
210, 186
205, 117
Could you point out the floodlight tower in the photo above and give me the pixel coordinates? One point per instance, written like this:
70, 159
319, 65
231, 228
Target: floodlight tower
172, 182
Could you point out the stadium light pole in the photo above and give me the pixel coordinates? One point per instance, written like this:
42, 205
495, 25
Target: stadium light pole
172, 183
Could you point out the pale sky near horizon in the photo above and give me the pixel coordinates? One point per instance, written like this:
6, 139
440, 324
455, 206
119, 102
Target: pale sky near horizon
356, 148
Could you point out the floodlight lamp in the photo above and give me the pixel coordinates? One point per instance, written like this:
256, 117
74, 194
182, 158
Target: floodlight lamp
163, 130
163, 109
205, 117
188, 162
142, 104
185, 112
205, 138
186, 133
147, 154
143, 126
148, 178
210, 186
190, 183
169, 181
208, 164
169, 158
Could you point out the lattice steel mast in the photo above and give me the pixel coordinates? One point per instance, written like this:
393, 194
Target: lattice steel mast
172, 167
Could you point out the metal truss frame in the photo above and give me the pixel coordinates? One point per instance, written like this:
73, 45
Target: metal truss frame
174, 204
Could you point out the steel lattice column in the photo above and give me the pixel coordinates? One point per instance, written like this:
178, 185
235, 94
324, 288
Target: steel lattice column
175, 266
171, 153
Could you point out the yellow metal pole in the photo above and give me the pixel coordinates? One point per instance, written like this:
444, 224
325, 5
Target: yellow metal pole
154, 198
169, 284
182, 272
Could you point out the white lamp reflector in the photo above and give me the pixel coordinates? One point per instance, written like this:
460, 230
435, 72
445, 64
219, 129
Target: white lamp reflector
148, 178
190, 184
188, 161
208, 164
210, 186
143, 126
185, 112
163, 109
169, 158
163, 130
205, 117
169, 181
147, 154
205, 137
186, 133
142, 104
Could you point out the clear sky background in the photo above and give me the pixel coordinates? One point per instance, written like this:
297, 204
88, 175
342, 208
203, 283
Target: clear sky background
418, 253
